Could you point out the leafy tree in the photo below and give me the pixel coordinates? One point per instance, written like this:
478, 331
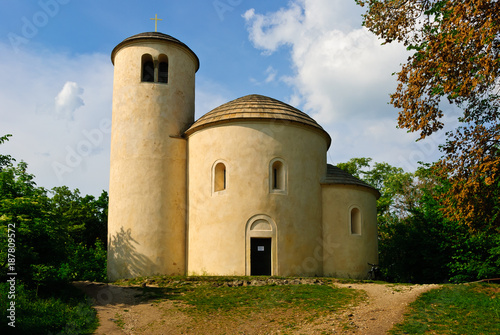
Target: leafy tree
417, 246
392, 182
40, 237
417, 242
58, 238
456, 54
356, 166
474, 195
86, 216
5, 160
412, 244
474, 254
456, 57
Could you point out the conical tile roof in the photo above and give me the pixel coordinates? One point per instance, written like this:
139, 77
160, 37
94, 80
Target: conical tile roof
337, 176
156, 36
255, 107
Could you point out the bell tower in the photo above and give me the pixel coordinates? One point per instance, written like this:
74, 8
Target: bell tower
153, 104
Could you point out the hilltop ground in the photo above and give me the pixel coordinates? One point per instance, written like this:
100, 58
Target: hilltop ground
133, 310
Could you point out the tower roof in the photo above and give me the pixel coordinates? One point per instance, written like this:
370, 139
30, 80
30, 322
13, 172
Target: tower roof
155, 36
255, 107
337, 176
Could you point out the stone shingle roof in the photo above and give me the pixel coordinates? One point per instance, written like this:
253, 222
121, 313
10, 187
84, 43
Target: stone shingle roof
152, 36
255, 107
337, 176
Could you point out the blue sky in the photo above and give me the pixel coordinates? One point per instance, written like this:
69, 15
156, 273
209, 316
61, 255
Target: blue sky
56, 75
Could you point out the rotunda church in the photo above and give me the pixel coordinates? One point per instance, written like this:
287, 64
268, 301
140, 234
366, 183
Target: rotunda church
244, 190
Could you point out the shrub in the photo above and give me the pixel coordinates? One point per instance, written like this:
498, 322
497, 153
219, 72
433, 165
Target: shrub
62, 310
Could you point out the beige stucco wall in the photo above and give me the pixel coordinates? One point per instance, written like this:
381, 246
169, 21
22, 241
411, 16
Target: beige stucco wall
219, 222
346, 255
147, 206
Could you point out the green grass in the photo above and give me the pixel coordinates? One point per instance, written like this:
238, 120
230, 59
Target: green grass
61, 310
210, 294
306, 297
233, 301
212, 300
454, 309
119, 321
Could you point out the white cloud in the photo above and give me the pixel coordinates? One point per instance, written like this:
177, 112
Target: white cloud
271, 74
59, 127
269, 32
338, 73
68, 100
342, 76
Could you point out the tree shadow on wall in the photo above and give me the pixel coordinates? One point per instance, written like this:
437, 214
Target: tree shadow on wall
126, 261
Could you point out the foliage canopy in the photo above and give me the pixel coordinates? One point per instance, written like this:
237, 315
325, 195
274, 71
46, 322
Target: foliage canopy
417, 242
54, 237
455, 47
59, 235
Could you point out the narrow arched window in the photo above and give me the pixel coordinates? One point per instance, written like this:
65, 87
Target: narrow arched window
277, 176
219, 177
148, 69
163, 69
355, 221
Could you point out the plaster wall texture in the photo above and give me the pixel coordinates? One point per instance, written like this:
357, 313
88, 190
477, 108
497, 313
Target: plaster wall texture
346, 255
220, 223
147, 208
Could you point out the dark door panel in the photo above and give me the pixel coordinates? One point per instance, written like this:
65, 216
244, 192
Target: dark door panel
260, 256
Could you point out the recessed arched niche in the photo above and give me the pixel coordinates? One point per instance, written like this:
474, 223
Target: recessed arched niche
261, 225
261, 241
163, 69
147, 69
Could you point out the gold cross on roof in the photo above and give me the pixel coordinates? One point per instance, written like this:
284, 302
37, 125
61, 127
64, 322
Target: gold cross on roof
156, 22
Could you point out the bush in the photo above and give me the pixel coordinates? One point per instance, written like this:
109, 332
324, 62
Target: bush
62, 310
477, 257
414, 250
430, 249
88, 263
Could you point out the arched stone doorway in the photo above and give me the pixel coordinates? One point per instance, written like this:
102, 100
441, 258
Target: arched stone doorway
261, 246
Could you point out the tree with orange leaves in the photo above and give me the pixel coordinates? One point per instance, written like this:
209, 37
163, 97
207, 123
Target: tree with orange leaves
455, 47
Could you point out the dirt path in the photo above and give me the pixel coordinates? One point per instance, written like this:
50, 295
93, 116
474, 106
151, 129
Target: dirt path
384, 307
122, 310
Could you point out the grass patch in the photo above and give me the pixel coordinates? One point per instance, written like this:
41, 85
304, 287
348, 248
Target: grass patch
306, 297
64, 310
119, 321
244, 303
206, 295
454, 309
